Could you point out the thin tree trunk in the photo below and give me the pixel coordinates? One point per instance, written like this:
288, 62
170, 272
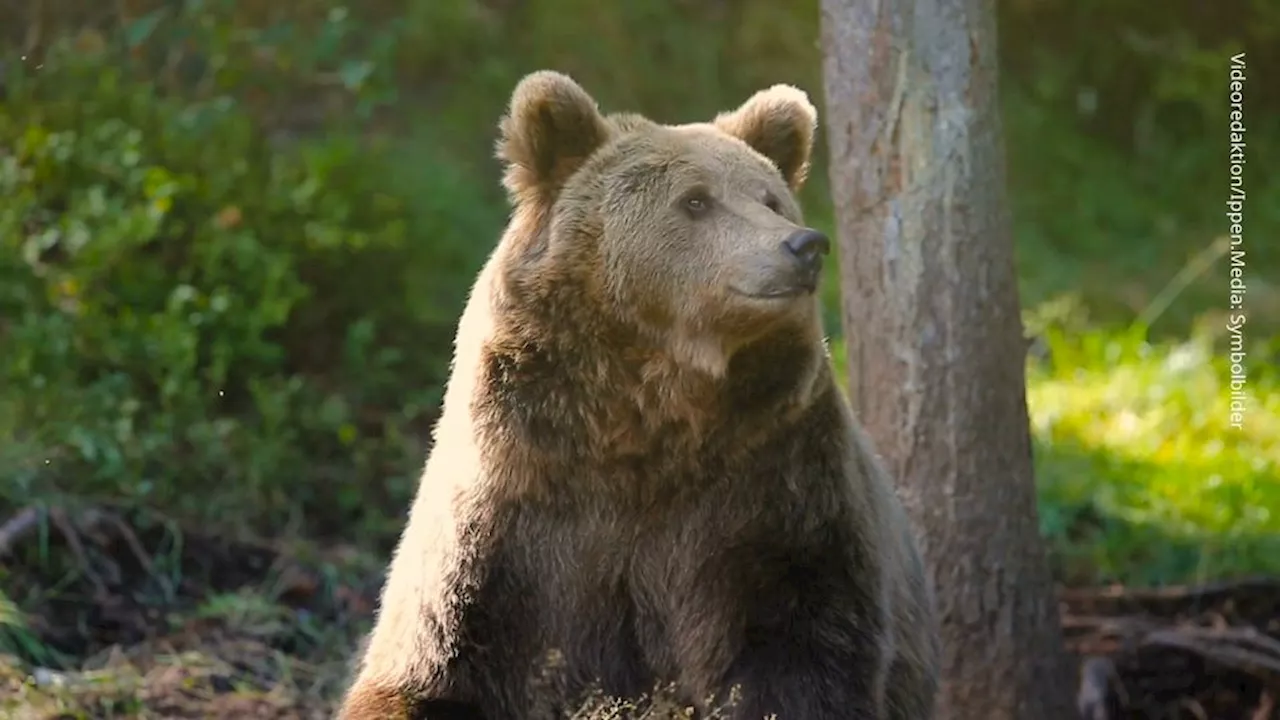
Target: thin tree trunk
931, 314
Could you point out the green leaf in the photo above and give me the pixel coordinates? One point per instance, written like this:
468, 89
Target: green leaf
140, 30
354, 73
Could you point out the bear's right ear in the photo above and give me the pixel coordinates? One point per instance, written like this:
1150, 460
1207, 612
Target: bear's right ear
550, 129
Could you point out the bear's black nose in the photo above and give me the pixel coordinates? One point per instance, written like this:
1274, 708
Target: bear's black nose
808, 246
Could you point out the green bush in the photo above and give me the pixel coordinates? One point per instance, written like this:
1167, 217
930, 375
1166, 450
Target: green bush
197, 320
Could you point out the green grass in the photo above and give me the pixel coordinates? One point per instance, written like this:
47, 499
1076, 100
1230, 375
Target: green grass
1141, 479
1141, 476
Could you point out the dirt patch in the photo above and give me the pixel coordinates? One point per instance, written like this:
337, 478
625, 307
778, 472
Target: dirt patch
129, 615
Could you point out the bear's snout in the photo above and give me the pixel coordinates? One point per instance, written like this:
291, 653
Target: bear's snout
807, 247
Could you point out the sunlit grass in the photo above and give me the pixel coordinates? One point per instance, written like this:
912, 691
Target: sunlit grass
1142, 477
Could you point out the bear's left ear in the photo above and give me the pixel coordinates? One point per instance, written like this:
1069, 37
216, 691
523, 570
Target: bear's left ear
550, 129
779, 123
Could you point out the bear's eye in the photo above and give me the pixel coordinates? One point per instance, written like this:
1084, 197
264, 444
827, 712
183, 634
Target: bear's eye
772, 203
696, 203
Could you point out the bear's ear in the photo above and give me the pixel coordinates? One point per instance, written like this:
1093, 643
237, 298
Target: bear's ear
779, 123
550, 129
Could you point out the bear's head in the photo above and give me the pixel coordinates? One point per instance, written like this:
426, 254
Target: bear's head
688, 236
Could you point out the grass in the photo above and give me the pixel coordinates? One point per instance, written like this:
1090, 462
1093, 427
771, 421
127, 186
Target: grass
1142, 478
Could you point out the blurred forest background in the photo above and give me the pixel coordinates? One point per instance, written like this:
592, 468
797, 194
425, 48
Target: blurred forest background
235, 237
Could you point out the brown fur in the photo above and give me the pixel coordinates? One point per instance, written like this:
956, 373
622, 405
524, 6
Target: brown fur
641, 469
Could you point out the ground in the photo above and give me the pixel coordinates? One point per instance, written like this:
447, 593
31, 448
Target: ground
130, 615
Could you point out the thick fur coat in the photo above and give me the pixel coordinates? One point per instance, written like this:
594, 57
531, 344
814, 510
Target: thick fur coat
645, 472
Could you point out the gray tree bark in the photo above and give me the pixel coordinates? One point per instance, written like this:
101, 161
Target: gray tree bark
931, 316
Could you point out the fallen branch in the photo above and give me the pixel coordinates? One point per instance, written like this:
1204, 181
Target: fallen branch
1187, 652
17, 527
1238, 648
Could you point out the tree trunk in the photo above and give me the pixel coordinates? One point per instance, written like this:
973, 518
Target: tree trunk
936, 354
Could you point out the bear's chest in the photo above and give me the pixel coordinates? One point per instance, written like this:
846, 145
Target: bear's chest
625, 587
566, 606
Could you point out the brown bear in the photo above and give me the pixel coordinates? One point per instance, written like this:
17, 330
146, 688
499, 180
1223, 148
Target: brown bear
644, 466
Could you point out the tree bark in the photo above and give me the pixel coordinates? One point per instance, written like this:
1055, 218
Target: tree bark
931, 316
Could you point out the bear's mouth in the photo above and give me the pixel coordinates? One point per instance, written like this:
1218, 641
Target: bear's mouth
787, 293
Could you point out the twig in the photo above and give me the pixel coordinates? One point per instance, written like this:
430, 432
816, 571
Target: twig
1194, 706
69, 533
1166, 595
135, 547
17, 527
1223, 647
1266, 705
1108, 625
1096, 676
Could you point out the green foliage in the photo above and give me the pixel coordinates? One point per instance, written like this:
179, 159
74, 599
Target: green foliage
17, 638
196, 319
1142, 476
1118, 145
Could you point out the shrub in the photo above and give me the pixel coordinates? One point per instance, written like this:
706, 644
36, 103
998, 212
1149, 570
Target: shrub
201, 321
